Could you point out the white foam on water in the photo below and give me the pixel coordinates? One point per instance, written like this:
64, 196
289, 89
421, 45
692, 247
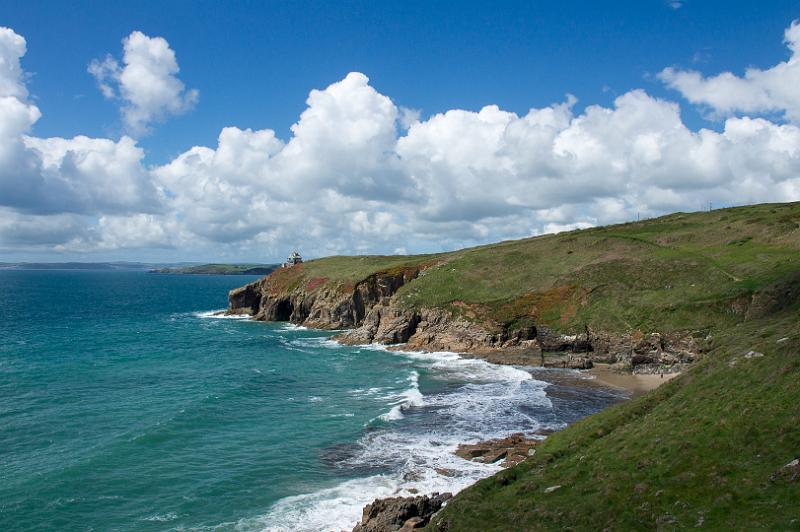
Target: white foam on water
367, 391
292, 327
317, 342
452, 366
430, 467
220, 315
406, 399
323, 510
486, 401
162, 518
340, 507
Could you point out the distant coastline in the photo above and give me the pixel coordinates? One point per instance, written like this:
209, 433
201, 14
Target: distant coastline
172, 268
219, 269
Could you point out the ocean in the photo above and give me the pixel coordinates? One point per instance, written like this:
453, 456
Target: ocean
126, 404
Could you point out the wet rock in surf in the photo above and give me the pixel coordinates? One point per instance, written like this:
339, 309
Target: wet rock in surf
401, 514
512, 450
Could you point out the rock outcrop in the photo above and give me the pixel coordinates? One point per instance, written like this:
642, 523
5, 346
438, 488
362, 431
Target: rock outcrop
511, 450
401, 514
246, 299
371, 313
322, 307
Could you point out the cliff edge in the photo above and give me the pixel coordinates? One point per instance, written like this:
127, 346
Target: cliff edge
643, 296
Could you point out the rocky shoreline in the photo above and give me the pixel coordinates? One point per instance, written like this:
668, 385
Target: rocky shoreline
370, 313
401, 514
404, 514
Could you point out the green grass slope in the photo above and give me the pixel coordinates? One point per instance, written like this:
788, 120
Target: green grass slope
701, 451
657, 274
682, 271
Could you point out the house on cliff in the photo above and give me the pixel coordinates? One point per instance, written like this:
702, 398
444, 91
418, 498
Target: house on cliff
293, 258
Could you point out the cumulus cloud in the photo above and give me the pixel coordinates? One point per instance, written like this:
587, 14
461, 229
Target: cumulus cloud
12, 48
773, 90
82, 176
350, 179
361, 174
146, 84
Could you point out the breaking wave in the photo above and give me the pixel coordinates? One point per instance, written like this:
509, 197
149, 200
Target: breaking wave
409, 449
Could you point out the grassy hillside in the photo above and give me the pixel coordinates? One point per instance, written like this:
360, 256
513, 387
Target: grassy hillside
701, 451
676, 272
653, 274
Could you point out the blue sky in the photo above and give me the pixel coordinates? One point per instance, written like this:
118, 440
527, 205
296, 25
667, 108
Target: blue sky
254, 64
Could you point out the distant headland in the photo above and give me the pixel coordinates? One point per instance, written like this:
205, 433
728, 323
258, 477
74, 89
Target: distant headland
181, 267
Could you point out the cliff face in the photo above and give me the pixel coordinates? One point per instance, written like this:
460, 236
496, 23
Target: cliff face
630, 294
323, 306
371, 312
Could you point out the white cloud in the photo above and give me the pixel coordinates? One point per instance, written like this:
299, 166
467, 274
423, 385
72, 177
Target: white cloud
12, 48
350, 181
80, 175
147, 84
95, 175
359, 174
773, 90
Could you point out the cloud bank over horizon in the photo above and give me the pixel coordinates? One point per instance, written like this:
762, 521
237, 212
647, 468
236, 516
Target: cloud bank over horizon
361, 174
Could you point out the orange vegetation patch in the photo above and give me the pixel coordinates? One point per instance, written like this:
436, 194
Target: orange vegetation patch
408, 272
284, 280
347, 287
470, 311
559, 305
316, 282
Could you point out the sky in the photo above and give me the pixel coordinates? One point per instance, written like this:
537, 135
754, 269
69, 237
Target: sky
238, 131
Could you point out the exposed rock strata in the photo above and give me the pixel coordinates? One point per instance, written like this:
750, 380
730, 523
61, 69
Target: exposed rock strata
324, 308
401, 514
372, 314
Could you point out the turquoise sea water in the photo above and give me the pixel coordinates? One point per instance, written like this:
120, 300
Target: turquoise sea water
125, 405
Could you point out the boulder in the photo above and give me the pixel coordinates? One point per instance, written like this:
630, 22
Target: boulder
400, 513
512, 450
788, 473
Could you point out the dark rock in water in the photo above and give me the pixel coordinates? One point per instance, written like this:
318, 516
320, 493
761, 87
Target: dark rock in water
401, 514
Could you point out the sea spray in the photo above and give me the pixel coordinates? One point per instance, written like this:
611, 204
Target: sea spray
413, 444
405, 400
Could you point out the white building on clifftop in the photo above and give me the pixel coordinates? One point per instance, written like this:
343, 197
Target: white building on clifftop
293, 258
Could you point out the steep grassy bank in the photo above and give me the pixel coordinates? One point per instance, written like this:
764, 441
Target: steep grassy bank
705, 450
603, 291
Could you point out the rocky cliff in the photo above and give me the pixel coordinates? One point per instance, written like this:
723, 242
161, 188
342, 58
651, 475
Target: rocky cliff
317, 304
371, 311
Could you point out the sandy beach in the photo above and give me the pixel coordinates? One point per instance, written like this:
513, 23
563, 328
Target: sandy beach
635, 384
